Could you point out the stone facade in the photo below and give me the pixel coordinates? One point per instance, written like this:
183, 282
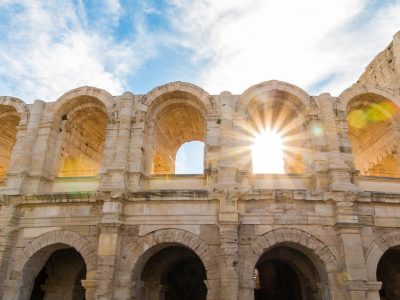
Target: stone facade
90, 203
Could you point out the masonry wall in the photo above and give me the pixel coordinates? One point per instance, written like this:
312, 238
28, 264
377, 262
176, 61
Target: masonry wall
328, 219
384, 69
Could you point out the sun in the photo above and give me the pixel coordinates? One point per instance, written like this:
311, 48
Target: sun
267, 153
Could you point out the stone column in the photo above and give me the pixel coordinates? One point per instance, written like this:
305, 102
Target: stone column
109, 247
90, 287
118, 171
373, 290
213, 290
339, 173
354, 262
226, 163
22, 151
228, 226
319, 165
8, 225
108, 155
212, 150
136, 157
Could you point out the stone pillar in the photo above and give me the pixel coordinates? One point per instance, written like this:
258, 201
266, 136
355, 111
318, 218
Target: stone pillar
339, 173
318, 166
109, 247
354, 263
118, 171
9, 225
228, 227
373, 290
22, 151
10, 289
246, 291
226, 163
136, 157
108, 155
90, 287
212, 150
213, 290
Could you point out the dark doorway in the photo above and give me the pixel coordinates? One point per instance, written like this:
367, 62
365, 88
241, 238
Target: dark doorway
174, 273
388, 272
277, 281
60, 277
286, 273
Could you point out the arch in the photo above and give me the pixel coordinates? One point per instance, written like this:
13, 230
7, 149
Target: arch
372, 116
67, 237
208, 102
176, 113
269, 86
291, 237
357, 90
134, 260
65, 102
376, 249
149, 244
278, 110
19, 105
79, 122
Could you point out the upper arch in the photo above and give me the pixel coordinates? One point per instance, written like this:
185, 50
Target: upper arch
19, 105
62, 104
268, 86
357, 90
376, 249
208, 102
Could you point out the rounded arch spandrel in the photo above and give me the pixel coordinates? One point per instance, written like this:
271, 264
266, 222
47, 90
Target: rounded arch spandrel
146, 246
376, 250
66, 102
370, 117
67, 237
263, 88
319, 253
29, 260
356, 90
21, 108
208, 102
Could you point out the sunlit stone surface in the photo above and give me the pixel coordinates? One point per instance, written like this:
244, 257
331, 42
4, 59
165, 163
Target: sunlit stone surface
299, 196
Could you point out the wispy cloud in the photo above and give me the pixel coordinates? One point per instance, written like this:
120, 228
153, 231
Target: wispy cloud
314, 44
50, 47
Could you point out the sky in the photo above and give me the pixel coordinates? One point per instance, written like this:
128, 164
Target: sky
50, 47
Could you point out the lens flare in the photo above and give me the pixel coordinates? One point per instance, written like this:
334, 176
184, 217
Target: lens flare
267, 153
374, 112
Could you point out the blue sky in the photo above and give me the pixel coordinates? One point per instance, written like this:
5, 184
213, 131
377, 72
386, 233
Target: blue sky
50, 47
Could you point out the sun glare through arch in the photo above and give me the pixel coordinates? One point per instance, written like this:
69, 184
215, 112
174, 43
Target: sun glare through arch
267, 153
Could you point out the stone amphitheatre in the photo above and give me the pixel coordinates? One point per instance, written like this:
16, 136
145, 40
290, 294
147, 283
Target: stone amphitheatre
91, 206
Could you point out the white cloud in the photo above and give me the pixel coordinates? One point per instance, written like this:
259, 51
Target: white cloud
302, 42
48, 49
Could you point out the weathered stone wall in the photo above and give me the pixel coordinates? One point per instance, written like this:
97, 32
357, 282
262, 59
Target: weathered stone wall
131, 219
384, 70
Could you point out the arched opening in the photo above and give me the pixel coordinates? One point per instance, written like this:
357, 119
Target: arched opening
284, 273
54, 272
173, 273
373, 130
190, 158
82, 135
388, 272
9, 120
178, 119
278, 134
